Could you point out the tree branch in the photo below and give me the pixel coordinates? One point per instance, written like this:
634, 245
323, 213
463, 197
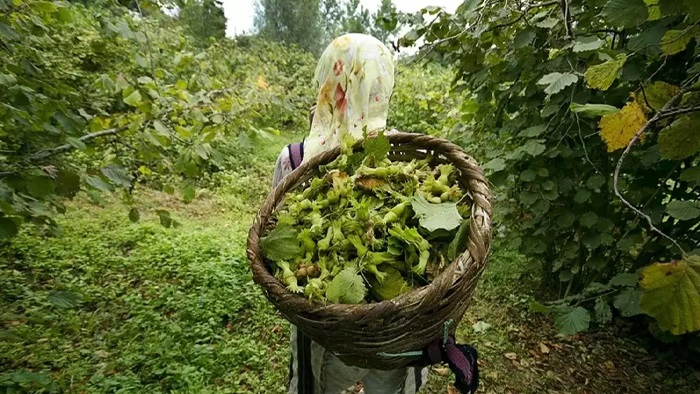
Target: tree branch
679, 111
466, 30
66, 147
148, 42
567, 19
673, 101
41, 155
644, 95
613, 31
683, 33
524, 14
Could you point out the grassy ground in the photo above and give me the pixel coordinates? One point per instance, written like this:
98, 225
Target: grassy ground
112, 306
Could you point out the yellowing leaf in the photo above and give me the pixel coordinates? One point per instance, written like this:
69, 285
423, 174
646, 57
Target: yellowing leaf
675, 41
262, 83
618, 129
602, 76
671, 294
681, 138
657, 95
654, 9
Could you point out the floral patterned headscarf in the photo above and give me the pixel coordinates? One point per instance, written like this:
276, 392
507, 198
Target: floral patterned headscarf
355, 77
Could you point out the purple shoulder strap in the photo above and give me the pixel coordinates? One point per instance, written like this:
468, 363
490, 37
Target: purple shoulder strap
296, 154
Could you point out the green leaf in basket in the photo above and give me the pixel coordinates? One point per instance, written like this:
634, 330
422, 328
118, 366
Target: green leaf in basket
281, 244
377, 147
392, 286
436, 216
459, 244
347, 287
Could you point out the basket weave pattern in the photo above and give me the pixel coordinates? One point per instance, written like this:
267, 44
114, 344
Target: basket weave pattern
409, 322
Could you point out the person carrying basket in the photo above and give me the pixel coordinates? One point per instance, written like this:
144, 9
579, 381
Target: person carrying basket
355, 78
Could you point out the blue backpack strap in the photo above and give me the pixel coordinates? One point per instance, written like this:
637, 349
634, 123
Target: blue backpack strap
296, 154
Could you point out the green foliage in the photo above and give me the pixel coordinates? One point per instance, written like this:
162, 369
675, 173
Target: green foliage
378, 147
347, 287
117, 306
203, 20
425, 102
572, 320
627, 302
593, 110
313, 24
557, 81
393, 285
602, 76
681, 139
541, 84
93, 102
683, 210
385, 21
625, 13
291, 22
356, 18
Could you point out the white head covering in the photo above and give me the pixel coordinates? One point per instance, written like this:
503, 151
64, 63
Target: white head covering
355, 77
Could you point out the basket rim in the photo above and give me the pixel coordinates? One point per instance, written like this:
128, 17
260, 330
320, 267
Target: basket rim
479, 229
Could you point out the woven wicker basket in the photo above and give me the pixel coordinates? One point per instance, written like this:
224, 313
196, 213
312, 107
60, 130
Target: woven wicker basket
363, 335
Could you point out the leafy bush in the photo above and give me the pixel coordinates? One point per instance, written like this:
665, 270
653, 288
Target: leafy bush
116, 306
424, 101
586, 113
95, 81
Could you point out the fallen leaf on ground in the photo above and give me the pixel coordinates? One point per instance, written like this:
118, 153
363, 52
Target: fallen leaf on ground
481, 327
511, 356
452, 390
493, 375
543, 348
